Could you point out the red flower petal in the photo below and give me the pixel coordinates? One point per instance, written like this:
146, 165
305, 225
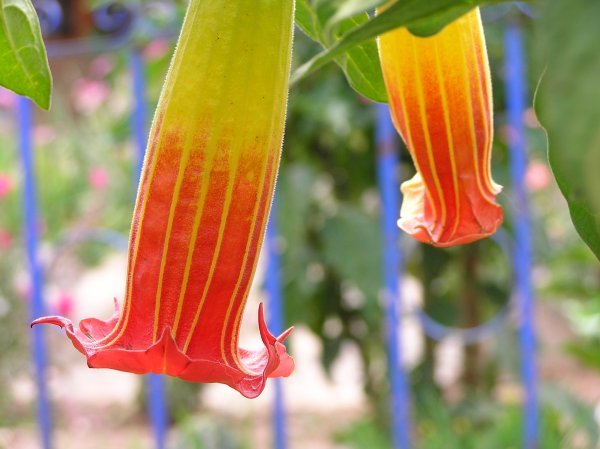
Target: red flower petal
440, 97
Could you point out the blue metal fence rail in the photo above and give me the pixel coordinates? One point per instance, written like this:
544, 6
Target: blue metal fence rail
387, 173
515, 101
31, 237
276, 324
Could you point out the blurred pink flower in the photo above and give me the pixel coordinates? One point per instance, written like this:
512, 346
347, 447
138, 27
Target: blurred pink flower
98, 178
64, 304
44, 134
88, 94
530, 118
22, 285
156, 49
7, 98
6, 185
6, 239
538, 175
508, 134
101, 66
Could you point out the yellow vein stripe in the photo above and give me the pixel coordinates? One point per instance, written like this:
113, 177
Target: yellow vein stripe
393, 49
476, 33
238, 318
215, 257
236, 289
271, 185
471, 119
235, 328
254, 223
479, 38
108, 340
421, 101
185, 153
204, 187
449, 137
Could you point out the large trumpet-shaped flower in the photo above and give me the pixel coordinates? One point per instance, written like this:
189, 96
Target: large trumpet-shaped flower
441, 102
202, 205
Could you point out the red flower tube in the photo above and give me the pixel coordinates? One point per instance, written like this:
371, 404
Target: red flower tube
441, 102
202, 205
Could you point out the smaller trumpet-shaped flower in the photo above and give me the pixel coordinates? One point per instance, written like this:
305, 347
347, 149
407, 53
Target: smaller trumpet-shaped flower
202, 205
440, 98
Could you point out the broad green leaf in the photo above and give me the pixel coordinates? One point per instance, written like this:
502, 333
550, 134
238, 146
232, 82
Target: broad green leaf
361, 63
23, 62
306, 20
568, 106
423, 14
324, 9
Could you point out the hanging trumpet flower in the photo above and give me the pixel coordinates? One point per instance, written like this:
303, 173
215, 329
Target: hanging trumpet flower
440, 98
202, 205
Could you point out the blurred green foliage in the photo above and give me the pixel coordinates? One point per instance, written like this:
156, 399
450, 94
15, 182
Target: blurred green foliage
568, 107
480, 423
206, 433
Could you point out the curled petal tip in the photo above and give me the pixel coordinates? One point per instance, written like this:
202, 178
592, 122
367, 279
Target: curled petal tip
55, 320
285, 334
283, 363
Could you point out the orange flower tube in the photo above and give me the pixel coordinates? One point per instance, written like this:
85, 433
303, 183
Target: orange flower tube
441, 103
202, 205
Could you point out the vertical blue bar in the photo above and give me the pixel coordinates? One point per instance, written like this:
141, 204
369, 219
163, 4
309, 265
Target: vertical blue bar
30, 232
156, 386
515, 98
387, 166
275, 323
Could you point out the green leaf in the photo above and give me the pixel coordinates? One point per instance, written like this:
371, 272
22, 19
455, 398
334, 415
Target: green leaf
567, 103
426, 16
325, 9
306, 20
23, 62
361, 63
352, 8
